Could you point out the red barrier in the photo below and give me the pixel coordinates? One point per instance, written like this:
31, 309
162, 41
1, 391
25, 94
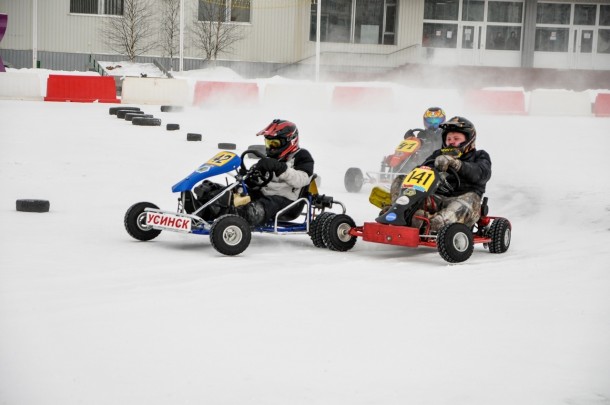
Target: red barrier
360, 97
495, 101
225, 93
81, 89
601, 108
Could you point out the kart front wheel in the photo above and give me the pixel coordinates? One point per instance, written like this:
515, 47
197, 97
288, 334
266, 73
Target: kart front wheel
500, 233
353, 180
230, 234
336, 233
135, 222
455, 242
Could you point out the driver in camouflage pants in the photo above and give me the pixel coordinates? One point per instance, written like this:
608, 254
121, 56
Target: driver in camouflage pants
461, 204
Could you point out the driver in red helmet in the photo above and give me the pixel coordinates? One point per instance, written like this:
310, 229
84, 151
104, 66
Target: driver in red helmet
458, 154
291, 168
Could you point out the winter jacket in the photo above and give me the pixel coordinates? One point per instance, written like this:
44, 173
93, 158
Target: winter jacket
289, 184
474, 173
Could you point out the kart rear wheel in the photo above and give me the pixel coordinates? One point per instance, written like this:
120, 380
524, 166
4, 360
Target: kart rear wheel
455, 243
135, 222
336, 233
500, 234
230, 235
353, 180
316, 229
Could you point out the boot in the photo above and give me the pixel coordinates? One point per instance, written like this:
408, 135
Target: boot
416, 222
254, 213
436, 223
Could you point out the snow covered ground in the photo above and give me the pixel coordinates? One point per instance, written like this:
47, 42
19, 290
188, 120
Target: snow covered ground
90, 316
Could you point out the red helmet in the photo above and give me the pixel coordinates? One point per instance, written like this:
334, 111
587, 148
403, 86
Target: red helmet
281, 138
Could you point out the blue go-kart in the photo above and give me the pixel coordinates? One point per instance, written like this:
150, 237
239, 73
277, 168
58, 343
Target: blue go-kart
230, 234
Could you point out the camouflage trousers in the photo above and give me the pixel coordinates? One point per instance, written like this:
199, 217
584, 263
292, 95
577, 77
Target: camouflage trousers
465, 209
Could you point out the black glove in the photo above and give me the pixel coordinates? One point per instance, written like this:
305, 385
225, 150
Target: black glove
408, 134
443, 162
268, 164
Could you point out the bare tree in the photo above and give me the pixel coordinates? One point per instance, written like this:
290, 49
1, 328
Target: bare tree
130, 34
170, 29
212, 33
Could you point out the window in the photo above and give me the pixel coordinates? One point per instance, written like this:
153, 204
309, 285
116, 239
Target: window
473, 10
390, 23
503, 38
373, 21
440, 35
224, 10
504, 12
604, 15
603, 41
552, 39
584, 14
109, 7
441, 10
553, 13
504, 34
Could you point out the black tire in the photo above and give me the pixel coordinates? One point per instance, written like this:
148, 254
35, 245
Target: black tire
172, 127
316, 229
135, 222
123, 111
148, 121
227, 146
258, 148
113, 110
455, 242
33, 205
353, 180
336, 236
129, 116
171, 108
193, 137
230, 235
500, 234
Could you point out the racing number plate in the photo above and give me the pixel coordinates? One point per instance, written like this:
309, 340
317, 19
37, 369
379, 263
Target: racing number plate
220, 159
409, 145
168, 221
420, 178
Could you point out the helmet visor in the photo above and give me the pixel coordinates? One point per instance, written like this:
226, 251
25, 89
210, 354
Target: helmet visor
433, 122
273, 143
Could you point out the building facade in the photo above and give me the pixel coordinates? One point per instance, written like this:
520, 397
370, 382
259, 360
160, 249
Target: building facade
279, 36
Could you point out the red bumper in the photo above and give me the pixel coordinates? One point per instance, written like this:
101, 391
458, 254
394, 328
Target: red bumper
387, 234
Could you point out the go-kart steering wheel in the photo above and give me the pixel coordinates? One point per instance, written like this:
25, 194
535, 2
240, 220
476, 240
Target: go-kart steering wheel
413, 132
257, 178
445, 185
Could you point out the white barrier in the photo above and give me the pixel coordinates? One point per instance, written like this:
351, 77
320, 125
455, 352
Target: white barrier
309, 96
156, 91
20, 86
559, 102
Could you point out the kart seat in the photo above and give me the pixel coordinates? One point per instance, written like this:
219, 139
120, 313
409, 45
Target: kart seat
293, 212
